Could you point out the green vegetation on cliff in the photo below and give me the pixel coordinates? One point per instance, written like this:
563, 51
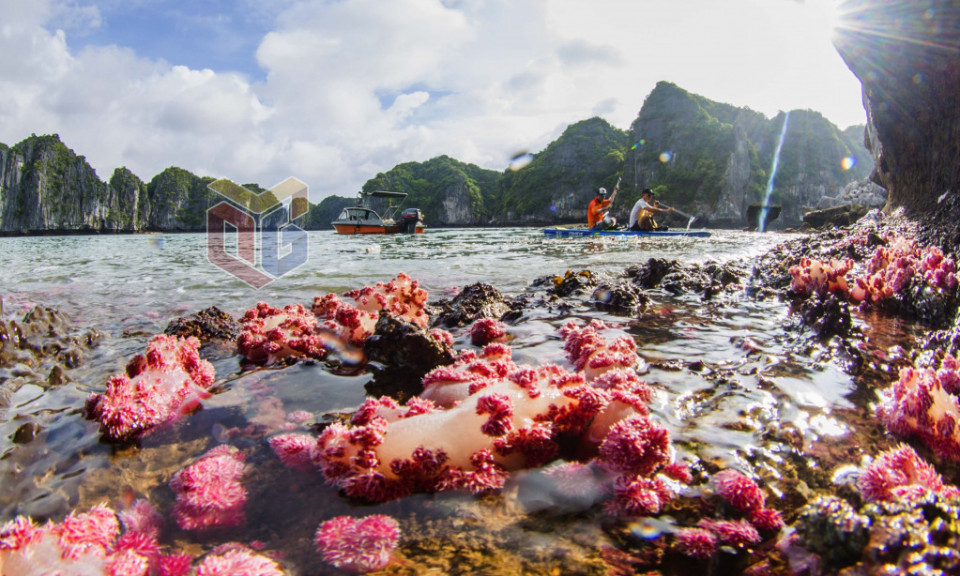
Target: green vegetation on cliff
441, 186
703, 157
562, 179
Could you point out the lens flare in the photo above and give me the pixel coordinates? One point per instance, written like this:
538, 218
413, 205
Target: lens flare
666, 156
773, 173
639, 143
519, 160
848, 162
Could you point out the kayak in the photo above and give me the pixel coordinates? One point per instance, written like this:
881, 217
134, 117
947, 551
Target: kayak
587, 233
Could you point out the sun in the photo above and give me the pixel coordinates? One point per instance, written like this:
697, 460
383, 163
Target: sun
824, 16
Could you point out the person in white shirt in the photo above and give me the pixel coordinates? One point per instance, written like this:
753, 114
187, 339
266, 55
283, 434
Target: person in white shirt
641, 216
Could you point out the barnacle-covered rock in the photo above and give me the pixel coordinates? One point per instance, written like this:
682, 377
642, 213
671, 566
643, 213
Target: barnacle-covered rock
832, 528
828, 316
621, 298
476, 301
909, 536
206, 325
568, 284
649, 274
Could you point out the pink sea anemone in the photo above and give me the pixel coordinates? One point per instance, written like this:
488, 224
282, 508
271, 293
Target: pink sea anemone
209, 492
237, 560
900, 473
358, 545
592, 354
695, 542
159, 386
926, 404
818, 277
487, 330
636, 445
477, 420
740, 491
142, 517
271, 334
88, 543
732, 532
354, 322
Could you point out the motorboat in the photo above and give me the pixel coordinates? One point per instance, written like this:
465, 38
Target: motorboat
364, 219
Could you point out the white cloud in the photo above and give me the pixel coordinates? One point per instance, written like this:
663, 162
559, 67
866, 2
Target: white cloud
355, 87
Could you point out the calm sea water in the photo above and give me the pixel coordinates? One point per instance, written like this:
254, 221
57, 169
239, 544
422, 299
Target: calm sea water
756, 390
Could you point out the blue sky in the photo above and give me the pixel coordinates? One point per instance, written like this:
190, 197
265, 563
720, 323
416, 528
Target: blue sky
334, 91
219, 34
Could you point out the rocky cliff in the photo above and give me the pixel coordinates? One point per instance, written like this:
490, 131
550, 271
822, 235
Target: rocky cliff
714, 160
45, 187
702, 157
907, 57
448, 192
559, 182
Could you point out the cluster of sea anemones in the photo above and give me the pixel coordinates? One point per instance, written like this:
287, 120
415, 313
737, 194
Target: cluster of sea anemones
157, 387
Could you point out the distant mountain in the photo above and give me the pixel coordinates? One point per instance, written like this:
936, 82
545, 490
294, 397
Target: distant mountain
560, 181
714, 159
700, 156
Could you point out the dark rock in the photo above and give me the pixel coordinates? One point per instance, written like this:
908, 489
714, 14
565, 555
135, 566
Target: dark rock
43, 342
621, 298
205, 325
474, 302
771, 212
26, 433
568, 284
650, 274
906, 57
836, 216
406, 352
827, 317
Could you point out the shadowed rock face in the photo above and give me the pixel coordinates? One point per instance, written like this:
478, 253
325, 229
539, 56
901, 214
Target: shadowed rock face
906, 54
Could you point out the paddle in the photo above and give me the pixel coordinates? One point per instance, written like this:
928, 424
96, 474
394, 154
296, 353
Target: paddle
682, 213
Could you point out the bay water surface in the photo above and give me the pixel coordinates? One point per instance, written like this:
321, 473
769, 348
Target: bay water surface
733, 386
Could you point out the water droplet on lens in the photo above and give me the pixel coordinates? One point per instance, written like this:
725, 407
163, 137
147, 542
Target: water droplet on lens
519, 160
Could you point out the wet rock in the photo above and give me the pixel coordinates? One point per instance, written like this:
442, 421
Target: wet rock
206, 325
620, 298
405, 352
934, 306
43, 333
650, 274
707, 280
474, 302
832, 528
916, 537
567, 285
41, 347
827, 317
905, 55
835, 216
26, 433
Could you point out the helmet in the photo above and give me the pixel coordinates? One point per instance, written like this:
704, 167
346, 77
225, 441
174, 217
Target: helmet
602, 192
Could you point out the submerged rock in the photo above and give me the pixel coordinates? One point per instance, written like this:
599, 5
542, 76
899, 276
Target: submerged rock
42, 347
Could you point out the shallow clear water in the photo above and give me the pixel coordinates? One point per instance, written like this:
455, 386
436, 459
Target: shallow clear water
756, 385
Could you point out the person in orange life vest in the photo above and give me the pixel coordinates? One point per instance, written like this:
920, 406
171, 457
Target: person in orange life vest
597, 218
641, 217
